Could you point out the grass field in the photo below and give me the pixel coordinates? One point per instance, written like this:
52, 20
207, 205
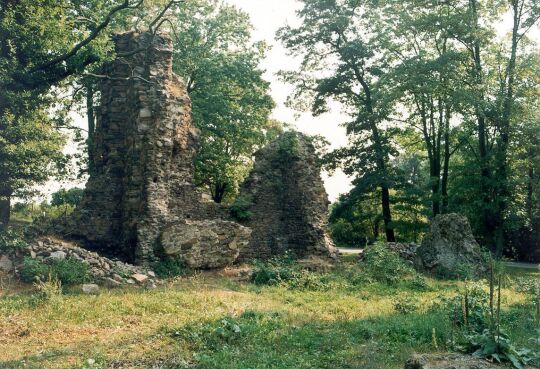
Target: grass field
211, 320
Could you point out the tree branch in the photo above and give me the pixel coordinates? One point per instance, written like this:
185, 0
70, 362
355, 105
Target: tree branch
95, 33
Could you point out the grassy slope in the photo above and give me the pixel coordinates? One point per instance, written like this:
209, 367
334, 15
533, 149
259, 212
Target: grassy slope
207, 321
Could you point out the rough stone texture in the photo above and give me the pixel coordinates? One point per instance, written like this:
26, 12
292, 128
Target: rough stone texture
449, 244
144, 148
102, 269
90, 289
140, 201
205, 244
6, 264
58, 255
285, 199
406, 251
451, 361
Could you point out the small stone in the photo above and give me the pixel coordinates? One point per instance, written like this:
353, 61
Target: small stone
111, 283
6, 264
33, 254
90, 288
58, 255
130, 281
139, 278
151, 274
118, 278
145, 113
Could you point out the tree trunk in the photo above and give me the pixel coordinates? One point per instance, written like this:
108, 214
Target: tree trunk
387, 215
91, 128
219, 192
502, 191
5, 208
376, 228
381, 166
529, 205
378, 146
446, 163
486, 187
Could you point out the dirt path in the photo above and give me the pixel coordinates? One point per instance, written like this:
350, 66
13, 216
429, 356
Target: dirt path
348, 251
514, 264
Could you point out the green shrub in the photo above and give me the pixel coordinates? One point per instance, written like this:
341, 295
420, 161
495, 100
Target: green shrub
240, 207
49, 290
418, 283
498, 348
11, 239
274, 271
286, 272
354, 275
307, 280
384, 265
289, 145
70, 271
462, 271
405, 305
33, 269
469, 309
72, 197
169, 268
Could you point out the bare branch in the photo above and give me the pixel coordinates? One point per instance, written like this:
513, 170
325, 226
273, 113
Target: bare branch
162, 13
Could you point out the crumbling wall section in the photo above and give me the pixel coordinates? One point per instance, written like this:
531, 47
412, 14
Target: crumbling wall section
144, 147
285, 201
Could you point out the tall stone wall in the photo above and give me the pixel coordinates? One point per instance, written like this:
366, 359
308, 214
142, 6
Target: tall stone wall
140, 200
285, 201
144, 148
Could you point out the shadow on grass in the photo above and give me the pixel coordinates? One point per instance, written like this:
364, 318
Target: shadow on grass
256, 340
269, 340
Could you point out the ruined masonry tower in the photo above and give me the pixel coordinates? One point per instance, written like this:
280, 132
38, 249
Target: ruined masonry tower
144, 148
140, 201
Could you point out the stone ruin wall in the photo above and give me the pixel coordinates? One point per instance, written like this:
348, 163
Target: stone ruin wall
289, 204
144, 148
141, 203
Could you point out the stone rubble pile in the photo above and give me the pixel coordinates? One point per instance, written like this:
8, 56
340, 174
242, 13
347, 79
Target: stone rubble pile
103, 271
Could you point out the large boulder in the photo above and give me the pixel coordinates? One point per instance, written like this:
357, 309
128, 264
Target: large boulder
205, 244
449, 247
